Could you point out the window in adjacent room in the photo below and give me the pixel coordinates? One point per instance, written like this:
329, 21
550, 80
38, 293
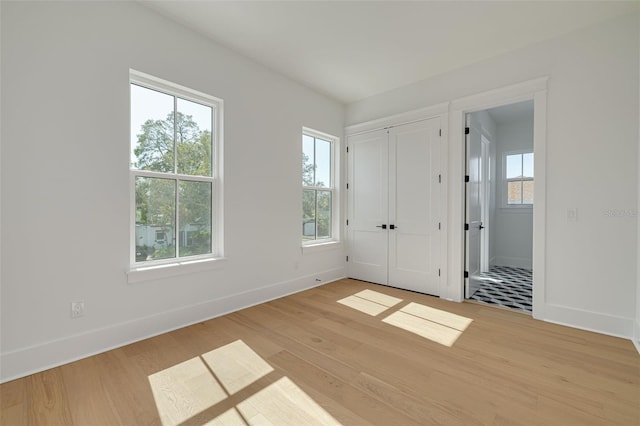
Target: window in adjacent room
174, 170
319, 195
519, 179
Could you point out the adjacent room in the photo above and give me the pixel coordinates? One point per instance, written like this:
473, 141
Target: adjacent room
297, 213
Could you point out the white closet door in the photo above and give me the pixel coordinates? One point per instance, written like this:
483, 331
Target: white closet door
368, 195
414, 206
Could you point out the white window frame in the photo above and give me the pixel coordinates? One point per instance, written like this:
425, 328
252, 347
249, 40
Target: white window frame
142, 271
334, 188
505, 181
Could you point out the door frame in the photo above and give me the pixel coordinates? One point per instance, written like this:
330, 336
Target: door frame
439, 110
535, 90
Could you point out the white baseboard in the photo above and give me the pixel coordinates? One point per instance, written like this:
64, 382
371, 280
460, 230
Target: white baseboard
33, 359
514, 262
636, 334
590, 321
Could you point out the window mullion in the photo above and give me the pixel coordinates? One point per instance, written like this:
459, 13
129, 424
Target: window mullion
176, 220
315, 165
315, 230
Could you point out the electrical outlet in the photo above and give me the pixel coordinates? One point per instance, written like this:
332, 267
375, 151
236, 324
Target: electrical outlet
77, 309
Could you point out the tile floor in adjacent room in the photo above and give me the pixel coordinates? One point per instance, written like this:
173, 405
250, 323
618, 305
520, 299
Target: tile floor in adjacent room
507, 287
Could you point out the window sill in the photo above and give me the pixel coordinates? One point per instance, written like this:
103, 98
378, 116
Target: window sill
148, 273
318, 247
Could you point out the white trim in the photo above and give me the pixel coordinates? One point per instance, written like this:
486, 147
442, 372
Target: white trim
636, 335
514, 262
174, 268
166, 86
321, 246
502, 96
533, 89
33, 359
398, 119
611, 325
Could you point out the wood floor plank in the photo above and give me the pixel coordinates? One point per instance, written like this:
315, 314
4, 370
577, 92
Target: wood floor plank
85, 391
371, 409
47, 400
13, 402
505, 368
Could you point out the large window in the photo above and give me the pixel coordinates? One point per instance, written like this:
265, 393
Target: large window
318, 187
173, 167
519, 179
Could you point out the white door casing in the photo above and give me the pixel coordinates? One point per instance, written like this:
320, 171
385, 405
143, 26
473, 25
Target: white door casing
474, 194
533, 89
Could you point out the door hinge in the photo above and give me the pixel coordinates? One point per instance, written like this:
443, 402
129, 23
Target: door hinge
347, 222
466, 274
439, 178
439, 226
347, 258
466, 178
347, 186
466, 130
347, 150
440, 132
438, 271
466, 226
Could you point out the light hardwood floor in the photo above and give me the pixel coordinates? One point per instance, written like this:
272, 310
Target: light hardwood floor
308, 359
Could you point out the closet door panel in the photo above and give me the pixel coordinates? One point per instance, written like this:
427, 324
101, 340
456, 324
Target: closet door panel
414, 206
368, 197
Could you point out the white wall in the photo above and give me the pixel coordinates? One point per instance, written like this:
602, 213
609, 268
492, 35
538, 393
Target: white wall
591, 163
65, 193
513, 228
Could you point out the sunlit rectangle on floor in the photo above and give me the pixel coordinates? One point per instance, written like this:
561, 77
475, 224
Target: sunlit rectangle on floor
437, 315
230, 417
283, 403
236, 365
370, 302
422, 327
184, 390
434, 324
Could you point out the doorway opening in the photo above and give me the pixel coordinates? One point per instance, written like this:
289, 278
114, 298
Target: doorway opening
499, 200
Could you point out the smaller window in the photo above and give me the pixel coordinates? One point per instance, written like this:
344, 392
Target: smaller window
319, 199
518, 178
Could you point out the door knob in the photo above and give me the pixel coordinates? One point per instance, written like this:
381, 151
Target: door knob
393, 227
481, 227
381, 226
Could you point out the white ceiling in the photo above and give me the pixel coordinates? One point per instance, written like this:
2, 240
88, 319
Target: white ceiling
352, 50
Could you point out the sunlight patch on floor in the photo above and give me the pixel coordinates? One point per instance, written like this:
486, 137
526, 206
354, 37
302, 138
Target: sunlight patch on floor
184, 390
284, 403
192, 387
434, 324
370, 302
236, 365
